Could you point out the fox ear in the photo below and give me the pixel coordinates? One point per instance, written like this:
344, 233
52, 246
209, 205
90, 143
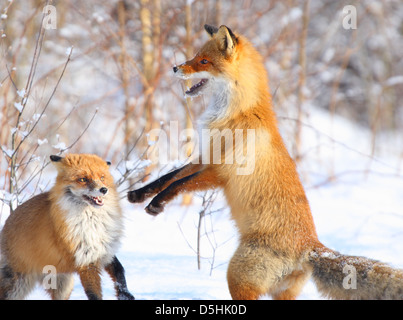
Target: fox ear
211, 30
226, 40
55, 158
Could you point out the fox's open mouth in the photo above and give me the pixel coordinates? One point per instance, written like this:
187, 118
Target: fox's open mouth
96, 201
195, 90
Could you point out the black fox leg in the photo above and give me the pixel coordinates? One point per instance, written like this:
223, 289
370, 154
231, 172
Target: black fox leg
117, 273
201, 180
161, 183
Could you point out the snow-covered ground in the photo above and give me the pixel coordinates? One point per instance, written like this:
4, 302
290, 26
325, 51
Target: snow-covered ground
360, 212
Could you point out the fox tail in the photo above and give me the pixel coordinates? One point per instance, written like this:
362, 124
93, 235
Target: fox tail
340, 276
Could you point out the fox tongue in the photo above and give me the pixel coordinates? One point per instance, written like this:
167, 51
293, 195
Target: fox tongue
95, 200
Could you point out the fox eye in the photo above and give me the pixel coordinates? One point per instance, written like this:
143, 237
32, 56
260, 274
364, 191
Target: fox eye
102, 178
204, 61
82, 180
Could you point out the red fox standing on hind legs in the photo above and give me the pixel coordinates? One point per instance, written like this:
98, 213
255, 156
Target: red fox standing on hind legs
75, 227
279, 249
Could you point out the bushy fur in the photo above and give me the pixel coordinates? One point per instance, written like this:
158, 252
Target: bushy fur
75, 227
269, 205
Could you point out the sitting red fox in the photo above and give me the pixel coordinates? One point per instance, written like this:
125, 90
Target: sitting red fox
279, 249
75, 227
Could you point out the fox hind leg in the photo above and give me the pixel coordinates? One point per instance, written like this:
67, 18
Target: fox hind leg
243, 291
294, 285
248, 274
255, 270
242, 285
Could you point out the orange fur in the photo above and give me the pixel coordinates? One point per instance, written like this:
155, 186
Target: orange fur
55, 228
269, 205
279, 248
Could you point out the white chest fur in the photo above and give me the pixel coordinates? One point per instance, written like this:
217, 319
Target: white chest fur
220, 93
94, 232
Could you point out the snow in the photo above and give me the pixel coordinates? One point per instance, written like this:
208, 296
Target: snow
69, 51
60, 146
21, 93
394, 81
359, 212
18, 106
292, 17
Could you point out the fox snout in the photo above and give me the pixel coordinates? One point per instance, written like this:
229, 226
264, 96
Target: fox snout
95, 187
100, 190
96, 196
92, 193
179, 72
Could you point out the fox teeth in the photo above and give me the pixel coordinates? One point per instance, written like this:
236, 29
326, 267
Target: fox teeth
197, 85
95, 200
98, 200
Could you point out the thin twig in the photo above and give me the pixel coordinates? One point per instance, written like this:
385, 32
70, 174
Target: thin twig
48, 102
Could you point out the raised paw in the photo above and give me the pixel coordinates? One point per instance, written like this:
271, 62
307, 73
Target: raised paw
154, 209
135, 196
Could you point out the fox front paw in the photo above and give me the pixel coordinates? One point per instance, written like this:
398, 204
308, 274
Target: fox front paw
125, 295
154, 209
135, 196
